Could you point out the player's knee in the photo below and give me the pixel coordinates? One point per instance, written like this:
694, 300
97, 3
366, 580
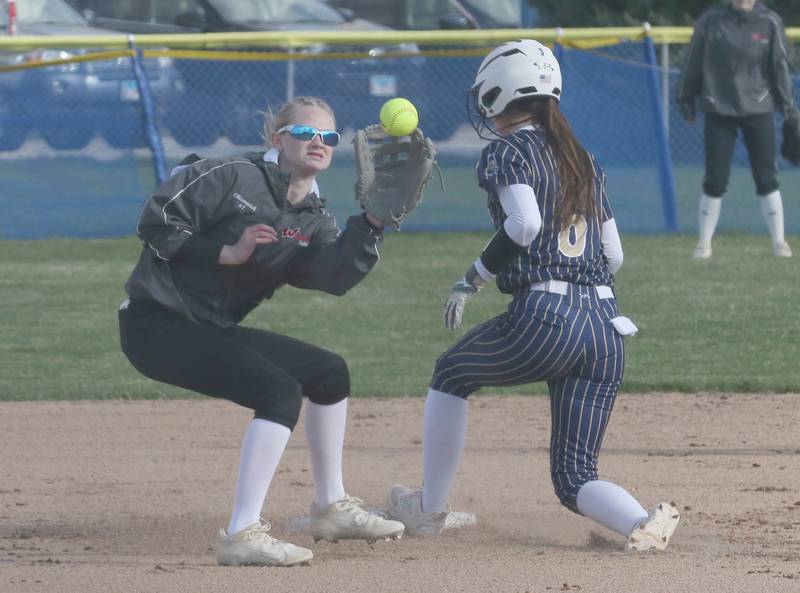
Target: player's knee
282, 405
766, 185
334, 383
567, 485
447, 380
714, 188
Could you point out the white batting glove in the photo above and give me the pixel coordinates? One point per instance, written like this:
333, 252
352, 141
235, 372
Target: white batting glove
462, 291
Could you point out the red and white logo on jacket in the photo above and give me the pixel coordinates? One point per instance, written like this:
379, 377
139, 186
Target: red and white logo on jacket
294, 233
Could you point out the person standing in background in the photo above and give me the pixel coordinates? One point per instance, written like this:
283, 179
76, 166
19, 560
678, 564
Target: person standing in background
737, 70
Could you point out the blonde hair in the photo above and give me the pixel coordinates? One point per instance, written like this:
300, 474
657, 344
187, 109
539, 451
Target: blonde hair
275, 121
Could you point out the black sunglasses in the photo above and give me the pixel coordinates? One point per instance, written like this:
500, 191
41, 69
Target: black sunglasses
307, 134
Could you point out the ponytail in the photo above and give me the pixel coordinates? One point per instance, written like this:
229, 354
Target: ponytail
575, 169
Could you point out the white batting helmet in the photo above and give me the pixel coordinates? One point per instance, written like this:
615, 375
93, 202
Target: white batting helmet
515, 70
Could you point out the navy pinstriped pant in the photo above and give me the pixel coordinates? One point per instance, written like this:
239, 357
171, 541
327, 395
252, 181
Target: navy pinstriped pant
566, 340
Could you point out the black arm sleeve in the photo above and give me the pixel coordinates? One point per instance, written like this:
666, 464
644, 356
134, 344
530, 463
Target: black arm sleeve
500, 250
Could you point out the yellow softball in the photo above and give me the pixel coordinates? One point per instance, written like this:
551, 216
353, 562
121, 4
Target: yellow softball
398, 117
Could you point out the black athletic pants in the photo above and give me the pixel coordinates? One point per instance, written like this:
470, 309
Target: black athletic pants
261, 370
759, 139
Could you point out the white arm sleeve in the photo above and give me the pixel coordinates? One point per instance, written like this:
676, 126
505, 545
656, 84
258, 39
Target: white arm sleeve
612, 246
523, 220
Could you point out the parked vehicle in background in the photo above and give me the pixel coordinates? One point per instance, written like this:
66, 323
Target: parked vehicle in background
448, 78
225, 97
69, 103
437, 14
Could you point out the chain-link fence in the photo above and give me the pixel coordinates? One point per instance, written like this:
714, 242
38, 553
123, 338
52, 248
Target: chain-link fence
76, 157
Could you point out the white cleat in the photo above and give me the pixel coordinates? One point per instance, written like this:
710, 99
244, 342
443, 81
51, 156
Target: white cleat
781, 249
405, 505
656, 530
348, 519
253, 546
702, 252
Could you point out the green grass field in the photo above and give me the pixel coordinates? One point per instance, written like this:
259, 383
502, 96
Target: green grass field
728, 324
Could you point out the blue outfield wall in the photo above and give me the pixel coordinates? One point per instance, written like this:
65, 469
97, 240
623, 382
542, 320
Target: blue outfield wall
76, 159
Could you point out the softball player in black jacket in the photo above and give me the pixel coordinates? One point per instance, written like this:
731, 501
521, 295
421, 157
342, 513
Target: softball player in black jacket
219, 237
555, 251
738, 70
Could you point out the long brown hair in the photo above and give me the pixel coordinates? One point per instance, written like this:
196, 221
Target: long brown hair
575, 170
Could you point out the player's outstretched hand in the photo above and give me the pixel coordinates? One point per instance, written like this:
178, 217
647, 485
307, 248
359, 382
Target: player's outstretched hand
391, 172
252, 236
462, 291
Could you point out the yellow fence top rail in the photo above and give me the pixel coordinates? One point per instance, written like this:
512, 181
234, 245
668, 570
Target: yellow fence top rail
297, 39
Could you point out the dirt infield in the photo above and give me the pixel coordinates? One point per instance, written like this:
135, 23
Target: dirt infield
126, 496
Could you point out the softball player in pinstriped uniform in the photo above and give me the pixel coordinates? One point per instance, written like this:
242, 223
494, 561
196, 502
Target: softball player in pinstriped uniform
555, 251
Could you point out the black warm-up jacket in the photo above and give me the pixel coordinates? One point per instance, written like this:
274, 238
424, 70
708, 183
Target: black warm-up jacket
737, 63
187, 220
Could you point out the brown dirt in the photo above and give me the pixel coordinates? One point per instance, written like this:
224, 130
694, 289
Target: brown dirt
127, 496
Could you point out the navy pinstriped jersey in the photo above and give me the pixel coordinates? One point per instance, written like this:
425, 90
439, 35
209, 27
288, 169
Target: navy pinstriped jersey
574, 254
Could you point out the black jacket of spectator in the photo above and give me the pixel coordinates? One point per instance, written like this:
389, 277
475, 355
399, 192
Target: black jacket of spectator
737, 64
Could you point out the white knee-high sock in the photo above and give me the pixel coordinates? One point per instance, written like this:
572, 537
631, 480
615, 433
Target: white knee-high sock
772, 211
708, 217
444, 431
325, 427
262, 447
610, 505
